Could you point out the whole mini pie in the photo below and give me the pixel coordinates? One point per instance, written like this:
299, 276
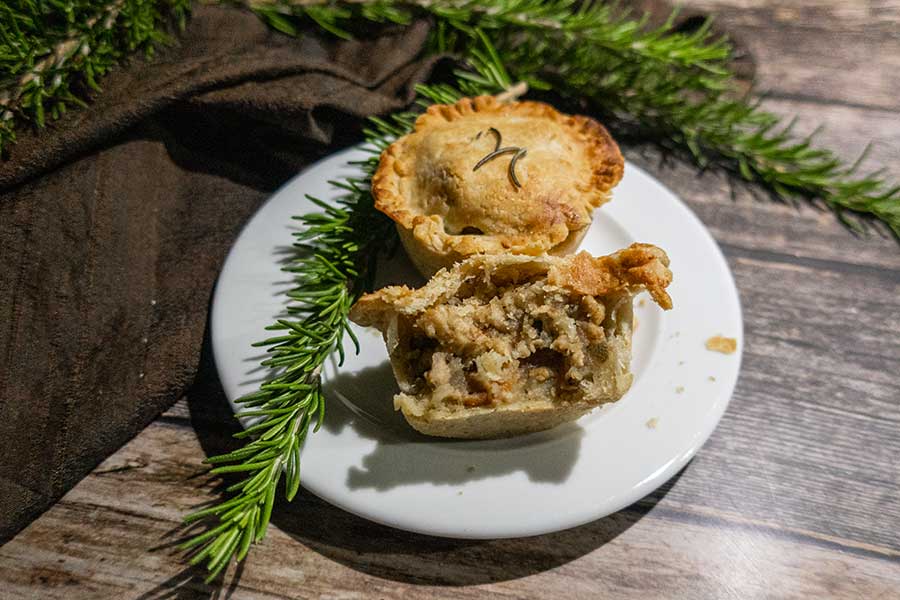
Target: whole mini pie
486, 177
506, 344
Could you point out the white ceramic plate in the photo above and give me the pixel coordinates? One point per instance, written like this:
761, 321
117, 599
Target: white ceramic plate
366, 460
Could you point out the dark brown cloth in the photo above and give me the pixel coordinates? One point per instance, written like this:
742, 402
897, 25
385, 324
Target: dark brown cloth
115, 220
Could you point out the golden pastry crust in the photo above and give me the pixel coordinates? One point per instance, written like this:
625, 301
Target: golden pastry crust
502, 345
445, 211
640, 265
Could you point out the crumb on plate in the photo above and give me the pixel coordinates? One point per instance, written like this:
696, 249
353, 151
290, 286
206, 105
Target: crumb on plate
711, 378
651, 423
679, 389
718, 343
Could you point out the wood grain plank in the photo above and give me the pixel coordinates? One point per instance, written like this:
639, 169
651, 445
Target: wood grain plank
832, 16
742, 217
847, 130
828, 50
100, 540
809, 438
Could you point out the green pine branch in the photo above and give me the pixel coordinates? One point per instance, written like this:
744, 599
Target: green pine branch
53, 52
333, 263
675, 88
333, 257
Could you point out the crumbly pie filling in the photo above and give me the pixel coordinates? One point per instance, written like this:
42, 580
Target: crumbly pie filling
500, 344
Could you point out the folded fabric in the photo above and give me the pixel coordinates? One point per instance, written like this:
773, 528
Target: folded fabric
114, 222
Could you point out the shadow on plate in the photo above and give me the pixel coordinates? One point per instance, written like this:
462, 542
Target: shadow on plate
363, 401
390, 553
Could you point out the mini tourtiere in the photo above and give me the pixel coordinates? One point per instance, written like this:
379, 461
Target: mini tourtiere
486, 177
501, 345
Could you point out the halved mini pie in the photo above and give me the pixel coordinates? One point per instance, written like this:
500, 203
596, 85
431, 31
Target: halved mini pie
486, 177
502, 345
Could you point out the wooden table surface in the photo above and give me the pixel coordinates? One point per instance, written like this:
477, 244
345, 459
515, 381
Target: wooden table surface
796, 495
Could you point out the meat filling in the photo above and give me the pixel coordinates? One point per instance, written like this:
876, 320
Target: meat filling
500, 343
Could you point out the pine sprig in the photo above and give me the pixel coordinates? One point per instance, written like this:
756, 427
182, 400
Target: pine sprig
333, 263
53, 52
328, 273
675, 88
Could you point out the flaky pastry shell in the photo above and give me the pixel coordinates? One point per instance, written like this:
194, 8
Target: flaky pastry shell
446, 211
502, 345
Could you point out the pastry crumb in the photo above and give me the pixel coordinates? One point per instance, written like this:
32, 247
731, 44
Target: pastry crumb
634, 324
711, 378
680, 362
642, 302
651, 423
679, 389
718, 343
459, 493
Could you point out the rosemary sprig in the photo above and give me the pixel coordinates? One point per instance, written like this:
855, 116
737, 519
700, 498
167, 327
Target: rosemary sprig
53, 53
331, 264
520, 153
674, 88
334, 263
